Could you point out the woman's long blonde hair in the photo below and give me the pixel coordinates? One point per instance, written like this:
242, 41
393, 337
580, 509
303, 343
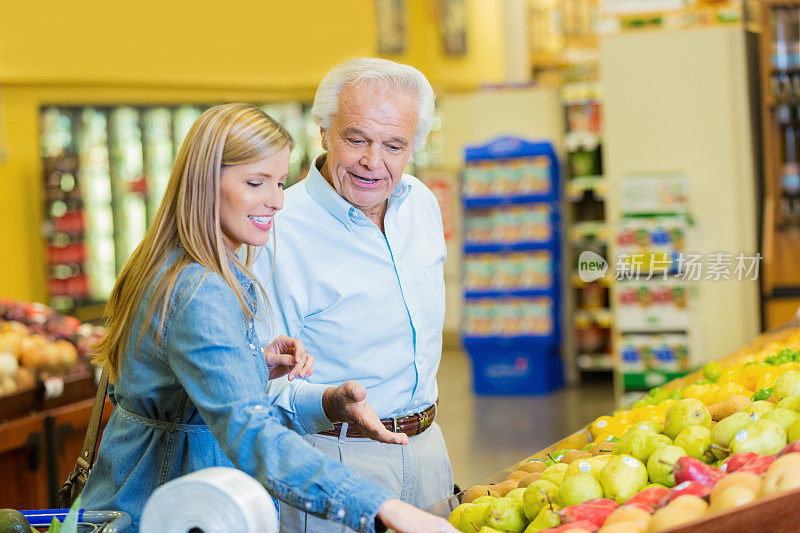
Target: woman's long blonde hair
188, 220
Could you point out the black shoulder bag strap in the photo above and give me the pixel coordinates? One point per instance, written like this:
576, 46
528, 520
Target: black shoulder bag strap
77, 479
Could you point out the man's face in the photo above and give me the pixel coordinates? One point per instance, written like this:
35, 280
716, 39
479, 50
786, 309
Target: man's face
369, 143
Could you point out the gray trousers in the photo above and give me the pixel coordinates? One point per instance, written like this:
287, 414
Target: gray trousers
418, 473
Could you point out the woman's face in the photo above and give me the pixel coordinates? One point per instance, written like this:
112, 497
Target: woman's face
250, 195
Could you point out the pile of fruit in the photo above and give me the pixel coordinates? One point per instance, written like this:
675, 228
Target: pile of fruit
667, 461
37, 342
754, 376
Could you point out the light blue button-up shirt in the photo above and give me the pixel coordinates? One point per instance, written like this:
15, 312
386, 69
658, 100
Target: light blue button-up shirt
368, 306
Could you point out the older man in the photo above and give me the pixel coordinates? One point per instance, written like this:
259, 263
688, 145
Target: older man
359, 279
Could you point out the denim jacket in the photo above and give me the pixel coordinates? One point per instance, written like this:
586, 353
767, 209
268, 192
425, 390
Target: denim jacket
194, 396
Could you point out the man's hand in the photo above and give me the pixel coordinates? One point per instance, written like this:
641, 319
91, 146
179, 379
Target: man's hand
287, 356
347, 403
403, 517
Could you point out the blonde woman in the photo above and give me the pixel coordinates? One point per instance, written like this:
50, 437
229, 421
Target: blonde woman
188, 371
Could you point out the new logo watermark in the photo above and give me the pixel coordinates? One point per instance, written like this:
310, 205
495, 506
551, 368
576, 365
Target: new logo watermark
685, 266
591, 266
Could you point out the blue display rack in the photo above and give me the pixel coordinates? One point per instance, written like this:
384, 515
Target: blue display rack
517, 364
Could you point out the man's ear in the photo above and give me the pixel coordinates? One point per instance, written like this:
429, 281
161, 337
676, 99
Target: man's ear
324, 134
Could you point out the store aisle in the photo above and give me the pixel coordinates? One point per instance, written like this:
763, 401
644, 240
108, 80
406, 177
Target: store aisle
485, 434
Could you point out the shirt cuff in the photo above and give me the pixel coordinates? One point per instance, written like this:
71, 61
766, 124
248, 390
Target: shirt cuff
362, 500
307, 403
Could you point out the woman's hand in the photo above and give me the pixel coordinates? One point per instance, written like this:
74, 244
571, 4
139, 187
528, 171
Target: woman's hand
402, 517
287, 356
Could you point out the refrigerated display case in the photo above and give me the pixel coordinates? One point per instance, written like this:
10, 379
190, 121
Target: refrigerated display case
106, 170
779, 84
589, 346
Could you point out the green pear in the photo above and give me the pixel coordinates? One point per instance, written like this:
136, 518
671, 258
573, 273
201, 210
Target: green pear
594, 465
661, 463
685, 413
656, 427
506, 514
484, 499
622, 477
546, 519
651, 485
723, 432
487, 529
555, 474
640, 443
786, 385
782, 416
579, 488
538, 495
793, 432
516, 494
790, 402
695, 440
758, 409
763, 437
472, 517
455, 516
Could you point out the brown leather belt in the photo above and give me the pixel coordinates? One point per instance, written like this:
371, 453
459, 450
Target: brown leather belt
410, 425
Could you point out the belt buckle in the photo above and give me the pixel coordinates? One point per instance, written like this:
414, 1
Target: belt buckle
424, 421
394, 424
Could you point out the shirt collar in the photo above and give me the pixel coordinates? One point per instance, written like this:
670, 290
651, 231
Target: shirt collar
330, 200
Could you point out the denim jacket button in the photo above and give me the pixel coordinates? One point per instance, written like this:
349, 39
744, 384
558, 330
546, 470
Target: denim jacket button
341, 513
308, 505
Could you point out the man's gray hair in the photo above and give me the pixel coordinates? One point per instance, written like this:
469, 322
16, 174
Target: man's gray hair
403, 78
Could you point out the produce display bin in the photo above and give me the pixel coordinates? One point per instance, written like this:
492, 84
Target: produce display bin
773, 513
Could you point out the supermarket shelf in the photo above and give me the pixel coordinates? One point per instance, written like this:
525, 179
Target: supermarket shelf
476, 248
578, 282
653, 331
648, 379
590, 230
532, 340
520, 293
596, 362
603, 317
493, 201
577, 186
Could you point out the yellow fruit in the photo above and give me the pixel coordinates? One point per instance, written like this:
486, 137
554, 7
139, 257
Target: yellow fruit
733, 496
600, 425
750, 375
695, 391
649, 413
666, 404
744, 479
767, 379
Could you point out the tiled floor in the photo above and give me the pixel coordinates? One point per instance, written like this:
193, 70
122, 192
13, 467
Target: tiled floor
485, 434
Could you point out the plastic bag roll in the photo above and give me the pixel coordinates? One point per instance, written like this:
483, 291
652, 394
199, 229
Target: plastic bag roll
213, 500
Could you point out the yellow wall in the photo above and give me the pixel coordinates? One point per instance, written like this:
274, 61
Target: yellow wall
170, 52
